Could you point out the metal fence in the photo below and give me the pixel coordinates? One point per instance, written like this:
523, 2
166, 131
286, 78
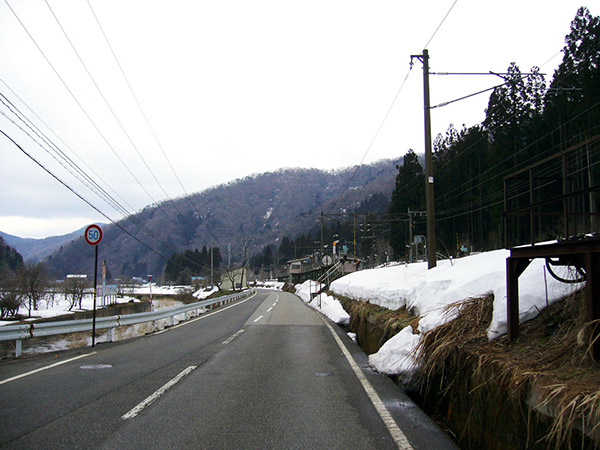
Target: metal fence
33, 329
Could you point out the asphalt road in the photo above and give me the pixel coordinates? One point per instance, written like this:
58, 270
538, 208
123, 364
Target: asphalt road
267, 372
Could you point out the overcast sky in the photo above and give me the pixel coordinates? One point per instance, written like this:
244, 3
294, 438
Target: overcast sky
233, 88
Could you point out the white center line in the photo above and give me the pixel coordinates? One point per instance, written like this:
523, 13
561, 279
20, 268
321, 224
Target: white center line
258, 318
270, 309
140, 406
205, 315
8, 380
231, 338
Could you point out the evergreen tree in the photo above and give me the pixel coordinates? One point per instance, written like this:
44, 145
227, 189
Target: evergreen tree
572, 100
409, 193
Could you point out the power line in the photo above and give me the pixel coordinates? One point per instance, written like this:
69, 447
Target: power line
79, 195
109, 107
85, 112
374, 136
440, 25
140, 106
117, 224
60, 139
87, 181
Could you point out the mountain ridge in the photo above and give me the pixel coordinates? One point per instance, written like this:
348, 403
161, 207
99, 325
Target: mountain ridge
256, 210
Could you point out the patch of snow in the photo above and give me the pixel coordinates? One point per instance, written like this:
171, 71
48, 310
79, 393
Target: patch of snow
323, 303
268, 213
270, 284
397, 355
427, 293
204, 293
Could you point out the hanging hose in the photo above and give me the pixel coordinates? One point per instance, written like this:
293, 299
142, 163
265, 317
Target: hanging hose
580, 271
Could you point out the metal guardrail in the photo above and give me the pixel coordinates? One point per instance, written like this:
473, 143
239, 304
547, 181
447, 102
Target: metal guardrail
33, 329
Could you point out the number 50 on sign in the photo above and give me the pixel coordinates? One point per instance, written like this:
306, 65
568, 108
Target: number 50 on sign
93, 235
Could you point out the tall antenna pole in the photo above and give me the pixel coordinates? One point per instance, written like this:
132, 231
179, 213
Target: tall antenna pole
431, 237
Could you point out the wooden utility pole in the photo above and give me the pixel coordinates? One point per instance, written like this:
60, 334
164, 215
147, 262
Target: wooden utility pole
431, 237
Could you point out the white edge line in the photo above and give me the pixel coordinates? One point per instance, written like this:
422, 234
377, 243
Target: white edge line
397, 435
8, 380
140, 406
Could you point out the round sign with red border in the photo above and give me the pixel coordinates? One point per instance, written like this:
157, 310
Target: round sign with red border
93, 235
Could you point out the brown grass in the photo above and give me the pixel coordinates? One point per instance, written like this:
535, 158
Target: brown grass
548, 363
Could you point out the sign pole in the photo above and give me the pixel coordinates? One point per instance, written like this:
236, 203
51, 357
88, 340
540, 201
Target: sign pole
103, 283
93, 236
95, 282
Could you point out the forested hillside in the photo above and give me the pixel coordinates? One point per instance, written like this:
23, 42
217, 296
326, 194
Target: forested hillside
246, 214
10, 259
526, 120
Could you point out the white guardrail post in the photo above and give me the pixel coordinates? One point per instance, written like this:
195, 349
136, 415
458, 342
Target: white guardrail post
29, 330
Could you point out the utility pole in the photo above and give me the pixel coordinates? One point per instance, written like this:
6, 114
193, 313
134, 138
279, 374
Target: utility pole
322, 243
431, 238
354, 232
211, 267
244, 265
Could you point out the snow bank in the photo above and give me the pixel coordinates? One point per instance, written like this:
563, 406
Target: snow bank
270, 284
204, 293
59, 305
160, 290
428, 292
324, 303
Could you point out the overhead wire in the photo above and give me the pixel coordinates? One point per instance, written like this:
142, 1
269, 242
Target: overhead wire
389, 109
81, 161
59, 156
440, 25
130, 216
85, 111
103, 194
150, 127
110, 107
374, 137
79, 195
411, 184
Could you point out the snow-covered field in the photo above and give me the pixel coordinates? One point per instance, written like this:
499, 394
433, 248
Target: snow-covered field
427, 293
59, 305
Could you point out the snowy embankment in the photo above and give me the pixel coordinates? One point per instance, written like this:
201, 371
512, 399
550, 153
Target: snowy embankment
322, 302
427, 293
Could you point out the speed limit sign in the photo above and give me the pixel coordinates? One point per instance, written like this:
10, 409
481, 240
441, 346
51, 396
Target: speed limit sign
93, 235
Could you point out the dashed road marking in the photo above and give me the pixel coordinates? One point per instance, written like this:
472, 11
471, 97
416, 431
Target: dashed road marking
205, 315
258, 318
144, 404
8, 380
232, 337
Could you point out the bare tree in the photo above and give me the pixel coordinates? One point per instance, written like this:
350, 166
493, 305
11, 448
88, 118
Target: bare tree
10, 297
51, 292
231, 275
74, 290
32, 280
